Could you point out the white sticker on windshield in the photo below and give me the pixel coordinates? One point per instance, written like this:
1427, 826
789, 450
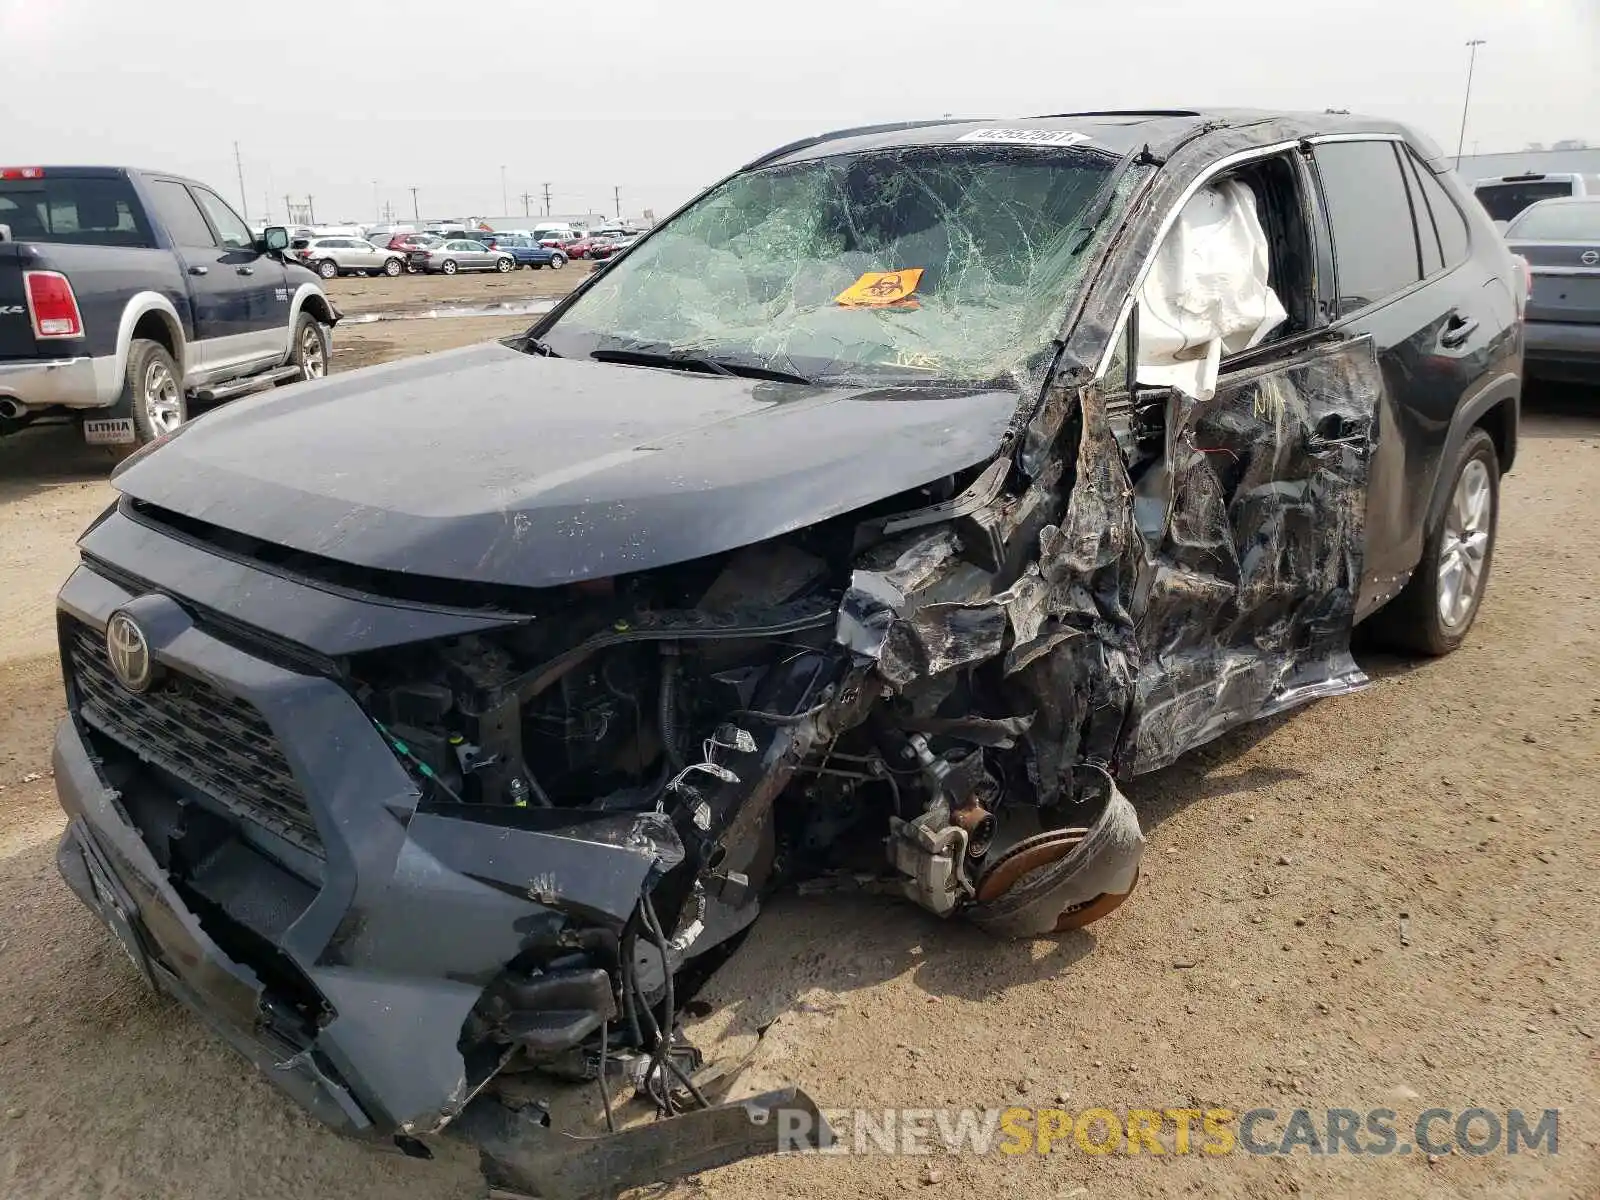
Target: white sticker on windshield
1026, 137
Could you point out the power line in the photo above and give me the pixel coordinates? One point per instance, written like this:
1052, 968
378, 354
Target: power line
239, 166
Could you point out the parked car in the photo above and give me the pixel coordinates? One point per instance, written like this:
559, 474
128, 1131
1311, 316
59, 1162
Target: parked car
530, 253
1560, 242
910, 547
1505, 197
463, 254
605, 247
127, 295
333, 256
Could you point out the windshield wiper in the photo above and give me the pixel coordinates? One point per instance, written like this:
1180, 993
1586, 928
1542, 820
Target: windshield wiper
532, 345
695, 362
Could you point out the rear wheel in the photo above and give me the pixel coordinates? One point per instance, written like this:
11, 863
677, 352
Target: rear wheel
327, 268
504, 264
152, 395
1436, 610
392, 267
448, 266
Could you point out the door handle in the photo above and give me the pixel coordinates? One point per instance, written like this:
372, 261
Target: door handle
247, 270
198, 270
1457, 330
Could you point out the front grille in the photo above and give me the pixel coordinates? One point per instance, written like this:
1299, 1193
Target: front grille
214, 742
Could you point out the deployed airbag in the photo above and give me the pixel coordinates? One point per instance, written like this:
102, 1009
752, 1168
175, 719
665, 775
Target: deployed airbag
1207, 293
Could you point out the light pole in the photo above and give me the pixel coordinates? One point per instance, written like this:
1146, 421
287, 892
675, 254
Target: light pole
505, 204
377, 205
1466, 102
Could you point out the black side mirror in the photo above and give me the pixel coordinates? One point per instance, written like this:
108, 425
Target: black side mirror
275, 238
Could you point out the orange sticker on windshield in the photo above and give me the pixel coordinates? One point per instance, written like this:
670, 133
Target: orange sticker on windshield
882, 289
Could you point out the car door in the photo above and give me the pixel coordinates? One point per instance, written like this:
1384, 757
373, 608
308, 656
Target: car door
1248, 495
1412, 286
478, 254
231, 286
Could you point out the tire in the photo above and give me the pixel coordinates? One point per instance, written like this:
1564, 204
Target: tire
327, 268
310, 350
448, 266
1435, 611
152, 394
504, 264
558, 261
392, 267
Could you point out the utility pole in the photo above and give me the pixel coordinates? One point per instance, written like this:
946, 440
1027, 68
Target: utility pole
239, 166
505, 205
616, 194
311, 210
1472, 61
377, 205
547, 199
414, 215
288, 210
527, 201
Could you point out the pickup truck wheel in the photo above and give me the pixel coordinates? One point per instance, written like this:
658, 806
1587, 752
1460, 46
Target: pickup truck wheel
310, 352
327, 268
504, 264
392, 267
152, 394
1435, 611
448, 266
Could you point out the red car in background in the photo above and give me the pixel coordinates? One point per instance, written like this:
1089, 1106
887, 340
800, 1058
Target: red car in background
579, 246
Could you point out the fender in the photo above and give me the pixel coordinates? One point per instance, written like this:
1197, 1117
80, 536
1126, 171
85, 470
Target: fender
1501, 389
302, 295
109, 372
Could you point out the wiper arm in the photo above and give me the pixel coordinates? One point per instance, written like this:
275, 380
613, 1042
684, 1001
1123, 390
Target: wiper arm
532, 345
695, 362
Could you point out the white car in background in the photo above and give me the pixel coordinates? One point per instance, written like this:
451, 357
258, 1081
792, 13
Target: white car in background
331, 256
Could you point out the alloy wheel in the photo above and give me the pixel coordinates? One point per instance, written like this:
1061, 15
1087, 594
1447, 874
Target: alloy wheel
1468, 526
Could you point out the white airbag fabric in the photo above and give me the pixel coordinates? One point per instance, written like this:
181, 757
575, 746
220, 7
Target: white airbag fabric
1207, 293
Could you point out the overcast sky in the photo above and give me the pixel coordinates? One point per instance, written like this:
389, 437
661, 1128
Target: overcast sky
661, 98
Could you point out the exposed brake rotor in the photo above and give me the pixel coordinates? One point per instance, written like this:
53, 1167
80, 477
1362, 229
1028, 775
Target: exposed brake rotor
1041, 850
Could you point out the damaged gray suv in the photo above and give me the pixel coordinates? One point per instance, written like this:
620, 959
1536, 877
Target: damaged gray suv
442, 725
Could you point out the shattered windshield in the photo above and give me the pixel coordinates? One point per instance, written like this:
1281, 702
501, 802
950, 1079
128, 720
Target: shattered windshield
936, 263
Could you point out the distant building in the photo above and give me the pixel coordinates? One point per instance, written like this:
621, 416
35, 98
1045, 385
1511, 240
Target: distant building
1569, 156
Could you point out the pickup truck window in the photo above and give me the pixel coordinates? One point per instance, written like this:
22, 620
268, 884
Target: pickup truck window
235, 234
78, 211
181, 215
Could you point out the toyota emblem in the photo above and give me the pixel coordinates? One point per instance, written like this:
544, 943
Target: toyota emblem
129, 653
1590, 257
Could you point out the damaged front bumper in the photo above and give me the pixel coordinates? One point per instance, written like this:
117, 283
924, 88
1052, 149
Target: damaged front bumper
112, 872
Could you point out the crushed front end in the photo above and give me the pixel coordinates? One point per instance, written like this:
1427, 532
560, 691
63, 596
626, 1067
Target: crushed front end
409, 858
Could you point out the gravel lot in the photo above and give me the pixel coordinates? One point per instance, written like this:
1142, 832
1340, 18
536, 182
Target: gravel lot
1261, 963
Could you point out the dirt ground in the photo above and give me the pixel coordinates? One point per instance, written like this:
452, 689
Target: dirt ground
1260, 964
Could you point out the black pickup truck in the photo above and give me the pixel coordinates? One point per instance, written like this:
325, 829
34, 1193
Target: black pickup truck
125, 295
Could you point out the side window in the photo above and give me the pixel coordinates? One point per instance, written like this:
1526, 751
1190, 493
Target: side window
1374, 241
1427, 231
1447, 218
181, 215
235, 233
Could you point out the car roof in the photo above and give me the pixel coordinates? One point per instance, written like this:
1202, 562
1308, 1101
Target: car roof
1117, 132
1562, 202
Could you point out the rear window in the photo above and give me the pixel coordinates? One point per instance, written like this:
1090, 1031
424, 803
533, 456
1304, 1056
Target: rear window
1505, 200
82, 212
1558, 223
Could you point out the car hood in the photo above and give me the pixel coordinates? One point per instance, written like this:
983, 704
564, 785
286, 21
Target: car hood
490, 465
